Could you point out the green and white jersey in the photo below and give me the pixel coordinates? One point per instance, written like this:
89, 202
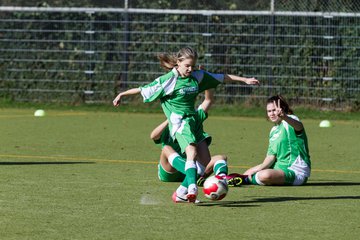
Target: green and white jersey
290, 148
178, 94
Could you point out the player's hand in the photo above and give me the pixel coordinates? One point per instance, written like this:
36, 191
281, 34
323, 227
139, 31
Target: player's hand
278, 110
117, 100
252, 81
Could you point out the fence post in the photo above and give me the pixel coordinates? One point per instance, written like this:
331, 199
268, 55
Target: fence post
272, 6
272, 25
124, 83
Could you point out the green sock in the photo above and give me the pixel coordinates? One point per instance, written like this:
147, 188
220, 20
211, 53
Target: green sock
220, 167
185, 183
177, 162
255, 180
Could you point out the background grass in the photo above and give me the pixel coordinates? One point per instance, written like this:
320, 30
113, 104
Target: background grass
92, 175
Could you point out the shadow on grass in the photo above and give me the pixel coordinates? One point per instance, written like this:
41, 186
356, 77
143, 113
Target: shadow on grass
252, 203
226, 204
42, 163
331, 184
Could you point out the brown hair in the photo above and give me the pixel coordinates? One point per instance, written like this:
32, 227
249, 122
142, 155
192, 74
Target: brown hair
283, 104
169, 60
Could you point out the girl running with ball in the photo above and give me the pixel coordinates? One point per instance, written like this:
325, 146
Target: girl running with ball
177, 91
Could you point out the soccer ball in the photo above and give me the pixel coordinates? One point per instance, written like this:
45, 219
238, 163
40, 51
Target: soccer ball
215, 188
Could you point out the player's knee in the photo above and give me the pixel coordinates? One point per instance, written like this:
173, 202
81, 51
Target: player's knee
167, 167
224, 157
167, 150
190, 148
264, 176
219, 157
271, 177
166, 147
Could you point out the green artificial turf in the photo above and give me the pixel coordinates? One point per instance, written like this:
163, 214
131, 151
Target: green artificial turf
93, 175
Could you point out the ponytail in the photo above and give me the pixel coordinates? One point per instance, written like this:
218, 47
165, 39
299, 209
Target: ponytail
169, 60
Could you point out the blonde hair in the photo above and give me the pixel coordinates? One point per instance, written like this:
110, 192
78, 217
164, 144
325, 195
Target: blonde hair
169, 60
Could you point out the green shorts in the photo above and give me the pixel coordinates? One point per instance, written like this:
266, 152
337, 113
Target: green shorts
191, 132
200, 136
186, 134
291, 178
169, 177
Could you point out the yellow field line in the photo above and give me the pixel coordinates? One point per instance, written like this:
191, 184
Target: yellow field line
75, 159
136, 161
334, 171
49, 115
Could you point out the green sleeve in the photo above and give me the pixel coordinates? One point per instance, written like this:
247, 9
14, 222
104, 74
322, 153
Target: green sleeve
159, 88
270, 151
271, 148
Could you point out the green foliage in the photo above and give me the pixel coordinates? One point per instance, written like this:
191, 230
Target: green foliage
85, 57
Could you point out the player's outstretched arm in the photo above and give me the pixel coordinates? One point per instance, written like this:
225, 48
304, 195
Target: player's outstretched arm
133, 91
233, 78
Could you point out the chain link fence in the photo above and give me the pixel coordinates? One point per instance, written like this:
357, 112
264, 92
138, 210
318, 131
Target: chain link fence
89, 54
351, 6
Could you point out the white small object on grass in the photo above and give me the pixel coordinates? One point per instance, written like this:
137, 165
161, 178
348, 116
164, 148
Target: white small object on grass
325, 124
39, 113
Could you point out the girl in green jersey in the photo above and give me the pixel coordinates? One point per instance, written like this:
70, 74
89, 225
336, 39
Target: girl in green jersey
287, 161
177, 91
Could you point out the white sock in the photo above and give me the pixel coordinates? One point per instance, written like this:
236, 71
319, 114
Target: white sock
190, 164
258, 180
172, 157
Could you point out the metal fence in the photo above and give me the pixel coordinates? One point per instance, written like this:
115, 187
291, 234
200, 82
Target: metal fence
89, 54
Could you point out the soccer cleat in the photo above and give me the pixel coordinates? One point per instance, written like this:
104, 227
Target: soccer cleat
182, 199
236, 179
200, 181
179, 199
191, 198
192, 194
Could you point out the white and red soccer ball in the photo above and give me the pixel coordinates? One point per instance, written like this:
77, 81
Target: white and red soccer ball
215, 188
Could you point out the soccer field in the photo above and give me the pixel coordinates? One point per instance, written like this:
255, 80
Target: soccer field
93, 175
